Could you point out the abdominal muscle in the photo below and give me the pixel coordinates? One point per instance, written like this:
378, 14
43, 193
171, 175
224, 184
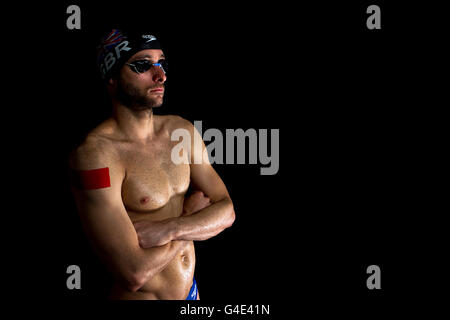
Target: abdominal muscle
175, 280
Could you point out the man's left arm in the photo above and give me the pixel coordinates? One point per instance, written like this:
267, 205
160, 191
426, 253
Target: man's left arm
200, 225
213, 219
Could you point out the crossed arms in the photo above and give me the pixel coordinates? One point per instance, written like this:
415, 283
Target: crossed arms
135, 253
201, 220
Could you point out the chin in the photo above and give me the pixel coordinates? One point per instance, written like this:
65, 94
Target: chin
156, 103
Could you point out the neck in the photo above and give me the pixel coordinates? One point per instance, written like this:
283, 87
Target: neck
134, 125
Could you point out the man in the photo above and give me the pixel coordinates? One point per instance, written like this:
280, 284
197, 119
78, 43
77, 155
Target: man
130, 194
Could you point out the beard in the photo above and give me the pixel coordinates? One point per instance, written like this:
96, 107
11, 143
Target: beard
131, 97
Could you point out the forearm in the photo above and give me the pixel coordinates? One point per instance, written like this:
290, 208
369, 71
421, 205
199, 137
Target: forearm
150, 261
204, 224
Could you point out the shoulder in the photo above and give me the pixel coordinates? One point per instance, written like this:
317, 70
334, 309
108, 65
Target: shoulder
176, 121
173, 122
94, 152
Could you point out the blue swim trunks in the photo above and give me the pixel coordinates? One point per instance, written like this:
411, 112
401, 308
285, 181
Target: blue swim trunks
193, 292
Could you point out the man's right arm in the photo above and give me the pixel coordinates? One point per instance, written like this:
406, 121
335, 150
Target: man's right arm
107, 223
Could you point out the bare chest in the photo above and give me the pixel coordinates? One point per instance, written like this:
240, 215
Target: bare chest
152, 178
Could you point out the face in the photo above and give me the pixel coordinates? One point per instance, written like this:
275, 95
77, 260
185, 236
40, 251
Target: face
141, 91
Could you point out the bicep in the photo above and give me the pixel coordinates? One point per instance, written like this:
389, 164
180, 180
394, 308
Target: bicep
206, 179
106, 222
203, 176
111, 233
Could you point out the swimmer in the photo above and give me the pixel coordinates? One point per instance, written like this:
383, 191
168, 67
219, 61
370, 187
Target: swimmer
133, 200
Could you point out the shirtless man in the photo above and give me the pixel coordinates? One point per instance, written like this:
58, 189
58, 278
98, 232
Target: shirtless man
131, 197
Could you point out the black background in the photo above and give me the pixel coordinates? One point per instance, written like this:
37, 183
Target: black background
351, 190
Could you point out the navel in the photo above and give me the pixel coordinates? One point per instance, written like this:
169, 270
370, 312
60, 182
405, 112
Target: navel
185, 259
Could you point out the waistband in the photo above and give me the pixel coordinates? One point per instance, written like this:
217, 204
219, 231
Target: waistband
193, 292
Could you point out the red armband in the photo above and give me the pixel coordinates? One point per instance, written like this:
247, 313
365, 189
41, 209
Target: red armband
91, 179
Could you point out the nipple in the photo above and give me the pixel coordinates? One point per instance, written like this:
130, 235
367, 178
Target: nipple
144, 200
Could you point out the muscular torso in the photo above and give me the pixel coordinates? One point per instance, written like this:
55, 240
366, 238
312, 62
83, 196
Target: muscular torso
153, 189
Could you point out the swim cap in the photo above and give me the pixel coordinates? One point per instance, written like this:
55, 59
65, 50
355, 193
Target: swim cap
117, 47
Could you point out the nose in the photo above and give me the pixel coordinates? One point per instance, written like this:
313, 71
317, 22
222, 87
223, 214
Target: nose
158, 75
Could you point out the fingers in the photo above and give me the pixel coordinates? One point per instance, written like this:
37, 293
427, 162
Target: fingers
138, 224
197, 194
200, 197
195, 203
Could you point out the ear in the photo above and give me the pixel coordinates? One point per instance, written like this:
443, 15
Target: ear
111, 85
112, 82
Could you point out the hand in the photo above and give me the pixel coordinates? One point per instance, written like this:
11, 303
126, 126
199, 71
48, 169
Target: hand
152, 233
195, 202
